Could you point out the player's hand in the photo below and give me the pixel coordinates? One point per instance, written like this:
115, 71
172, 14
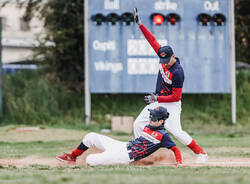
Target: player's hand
151, 98
136, 16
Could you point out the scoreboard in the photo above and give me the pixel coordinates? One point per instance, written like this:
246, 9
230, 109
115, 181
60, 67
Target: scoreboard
122, 61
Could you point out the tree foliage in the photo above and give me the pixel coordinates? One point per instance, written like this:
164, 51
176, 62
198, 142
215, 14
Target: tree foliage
242, 30
63, 19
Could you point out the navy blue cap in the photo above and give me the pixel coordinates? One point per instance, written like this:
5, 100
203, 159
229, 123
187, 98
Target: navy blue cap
158, 113
165, 53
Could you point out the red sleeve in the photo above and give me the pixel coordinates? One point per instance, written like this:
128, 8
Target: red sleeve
174, 97
150, 37
177, 154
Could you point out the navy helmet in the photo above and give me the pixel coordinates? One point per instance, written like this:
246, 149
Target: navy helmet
165, 53
159, 113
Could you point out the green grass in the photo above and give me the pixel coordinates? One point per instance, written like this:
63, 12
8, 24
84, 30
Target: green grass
124, 174
223, 140
46, 143
49, 141
30, 97
224, 147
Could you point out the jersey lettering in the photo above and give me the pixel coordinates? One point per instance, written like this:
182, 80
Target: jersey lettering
151, 135
150, 141
166, 74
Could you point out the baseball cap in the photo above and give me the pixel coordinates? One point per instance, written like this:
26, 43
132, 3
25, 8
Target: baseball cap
165, 53
158, 113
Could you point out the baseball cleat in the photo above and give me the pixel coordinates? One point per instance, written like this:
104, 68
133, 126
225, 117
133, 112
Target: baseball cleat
66, 157
201, 158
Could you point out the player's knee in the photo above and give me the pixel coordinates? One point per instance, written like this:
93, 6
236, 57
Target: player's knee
90, 135
90, 160
182, 136
176, 133
88, 138
136, 124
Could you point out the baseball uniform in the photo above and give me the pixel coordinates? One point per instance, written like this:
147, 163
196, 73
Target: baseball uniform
169, 91
118, 152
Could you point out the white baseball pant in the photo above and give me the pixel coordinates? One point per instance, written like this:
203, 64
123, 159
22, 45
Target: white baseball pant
115, 152
172, 124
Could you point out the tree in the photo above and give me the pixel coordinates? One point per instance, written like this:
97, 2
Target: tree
63, 20
242, 30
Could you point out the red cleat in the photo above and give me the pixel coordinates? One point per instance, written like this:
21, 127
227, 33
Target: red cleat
66, 157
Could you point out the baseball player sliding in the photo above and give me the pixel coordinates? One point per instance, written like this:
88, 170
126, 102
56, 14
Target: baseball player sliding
152, 138
167, 94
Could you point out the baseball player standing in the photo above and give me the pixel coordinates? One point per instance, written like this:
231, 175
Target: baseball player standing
168, 93
152, 138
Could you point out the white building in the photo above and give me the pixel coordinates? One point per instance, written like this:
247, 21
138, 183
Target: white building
18, 36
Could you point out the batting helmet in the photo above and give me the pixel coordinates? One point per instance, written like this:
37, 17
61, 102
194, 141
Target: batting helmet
159, 113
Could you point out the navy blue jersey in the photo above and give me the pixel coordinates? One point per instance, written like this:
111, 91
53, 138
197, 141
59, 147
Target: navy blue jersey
169, 78
151, 140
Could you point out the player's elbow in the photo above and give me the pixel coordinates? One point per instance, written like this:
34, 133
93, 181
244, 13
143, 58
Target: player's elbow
177, 93
177, 98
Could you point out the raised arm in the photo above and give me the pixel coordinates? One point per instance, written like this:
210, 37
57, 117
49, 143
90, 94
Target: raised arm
148, 35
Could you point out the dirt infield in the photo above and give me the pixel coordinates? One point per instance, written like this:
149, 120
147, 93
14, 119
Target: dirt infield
160, 158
